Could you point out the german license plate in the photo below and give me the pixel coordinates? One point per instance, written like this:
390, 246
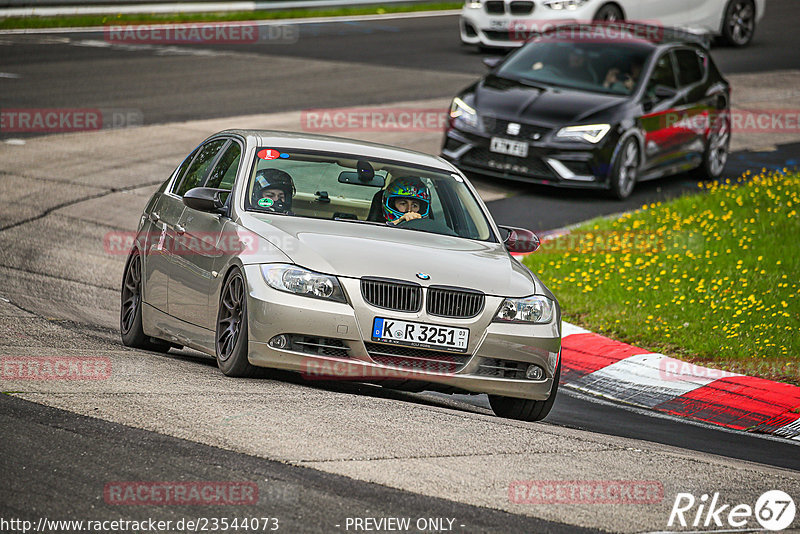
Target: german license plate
498, 24
420, 334
507, 146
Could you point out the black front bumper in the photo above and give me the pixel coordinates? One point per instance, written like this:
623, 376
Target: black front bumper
561, 165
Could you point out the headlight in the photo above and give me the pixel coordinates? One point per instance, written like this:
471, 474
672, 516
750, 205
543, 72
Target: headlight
461, 111
565, 4
535, 309
473, 5
294, 279
590, 132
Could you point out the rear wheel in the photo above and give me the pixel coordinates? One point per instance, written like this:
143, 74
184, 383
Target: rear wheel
625, 171
609, 13
231, 335
525, 409
130, 313
717, 149
739, 24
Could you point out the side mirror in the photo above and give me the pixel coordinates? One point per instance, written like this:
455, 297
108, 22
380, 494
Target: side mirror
492, 62
520, 241
205, 199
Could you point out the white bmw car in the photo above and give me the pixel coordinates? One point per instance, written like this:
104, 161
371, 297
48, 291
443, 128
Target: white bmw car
509, 23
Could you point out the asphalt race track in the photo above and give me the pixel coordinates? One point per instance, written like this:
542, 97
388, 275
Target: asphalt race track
318, 452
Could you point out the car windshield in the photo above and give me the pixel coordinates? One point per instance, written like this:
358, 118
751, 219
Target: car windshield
599, 67
350, 189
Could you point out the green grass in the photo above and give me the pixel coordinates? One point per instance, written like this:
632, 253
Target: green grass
710, 278
156, 18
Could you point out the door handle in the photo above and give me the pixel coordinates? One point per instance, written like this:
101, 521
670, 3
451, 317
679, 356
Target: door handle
180, 230
154, 217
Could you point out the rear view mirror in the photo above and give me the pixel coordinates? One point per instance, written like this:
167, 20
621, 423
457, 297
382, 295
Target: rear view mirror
519, 240
352, 177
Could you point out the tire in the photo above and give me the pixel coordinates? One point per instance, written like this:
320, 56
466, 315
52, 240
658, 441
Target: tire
625, 170
526, 409
130, 312
739, 23
717, 150
230, 338
609, 13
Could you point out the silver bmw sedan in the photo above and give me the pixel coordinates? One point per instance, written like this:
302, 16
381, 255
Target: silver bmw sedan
341, 259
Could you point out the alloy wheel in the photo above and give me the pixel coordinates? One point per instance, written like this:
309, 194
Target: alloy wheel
230, 316
628, 169
131, 293
718, 148
741, 23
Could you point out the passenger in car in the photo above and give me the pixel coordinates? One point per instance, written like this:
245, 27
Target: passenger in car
406, 199
274, 190
618, 82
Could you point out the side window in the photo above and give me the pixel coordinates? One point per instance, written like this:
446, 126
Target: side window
224, 173
197, 171
690, 67
663, 74
182, 170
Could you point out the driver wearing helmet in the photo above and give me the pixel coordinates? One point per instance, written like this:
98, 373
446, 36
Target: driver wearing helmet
405, 199
274, 190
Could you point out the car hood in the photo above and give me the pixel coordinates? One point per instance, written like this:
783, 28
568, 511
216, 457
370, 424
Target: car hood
554, 107
355, 250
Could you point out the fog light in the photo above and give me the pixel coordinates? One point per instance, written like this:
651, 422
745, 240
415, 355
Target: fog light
278, 342
534, 372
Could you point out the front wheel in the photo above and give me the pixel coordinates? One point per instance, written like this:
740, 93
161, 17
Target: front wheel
526, 409
739, 24
625, 170
609, 13
130, 312
231, 335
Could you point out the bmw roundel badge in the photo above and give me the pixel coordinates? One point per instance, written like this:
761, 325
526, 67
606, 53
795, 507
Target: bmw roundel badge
423, 276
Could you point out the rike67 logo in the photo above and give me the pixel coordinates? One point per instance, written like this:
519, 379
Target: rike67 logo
774, 510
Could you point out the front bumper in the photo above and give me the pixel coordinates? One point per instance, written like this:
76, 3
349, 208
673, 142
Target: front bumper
272, 313
511, 30
575, 165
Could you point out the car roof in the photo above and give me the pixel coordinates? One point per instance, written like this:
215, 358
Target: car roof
341, 145
644, 34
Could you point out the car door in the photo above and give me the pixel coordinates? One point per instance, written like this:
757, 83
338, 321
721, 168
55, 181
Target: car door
163, 216
662, 112
699, 109
205, 247
174, 233
658, 12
